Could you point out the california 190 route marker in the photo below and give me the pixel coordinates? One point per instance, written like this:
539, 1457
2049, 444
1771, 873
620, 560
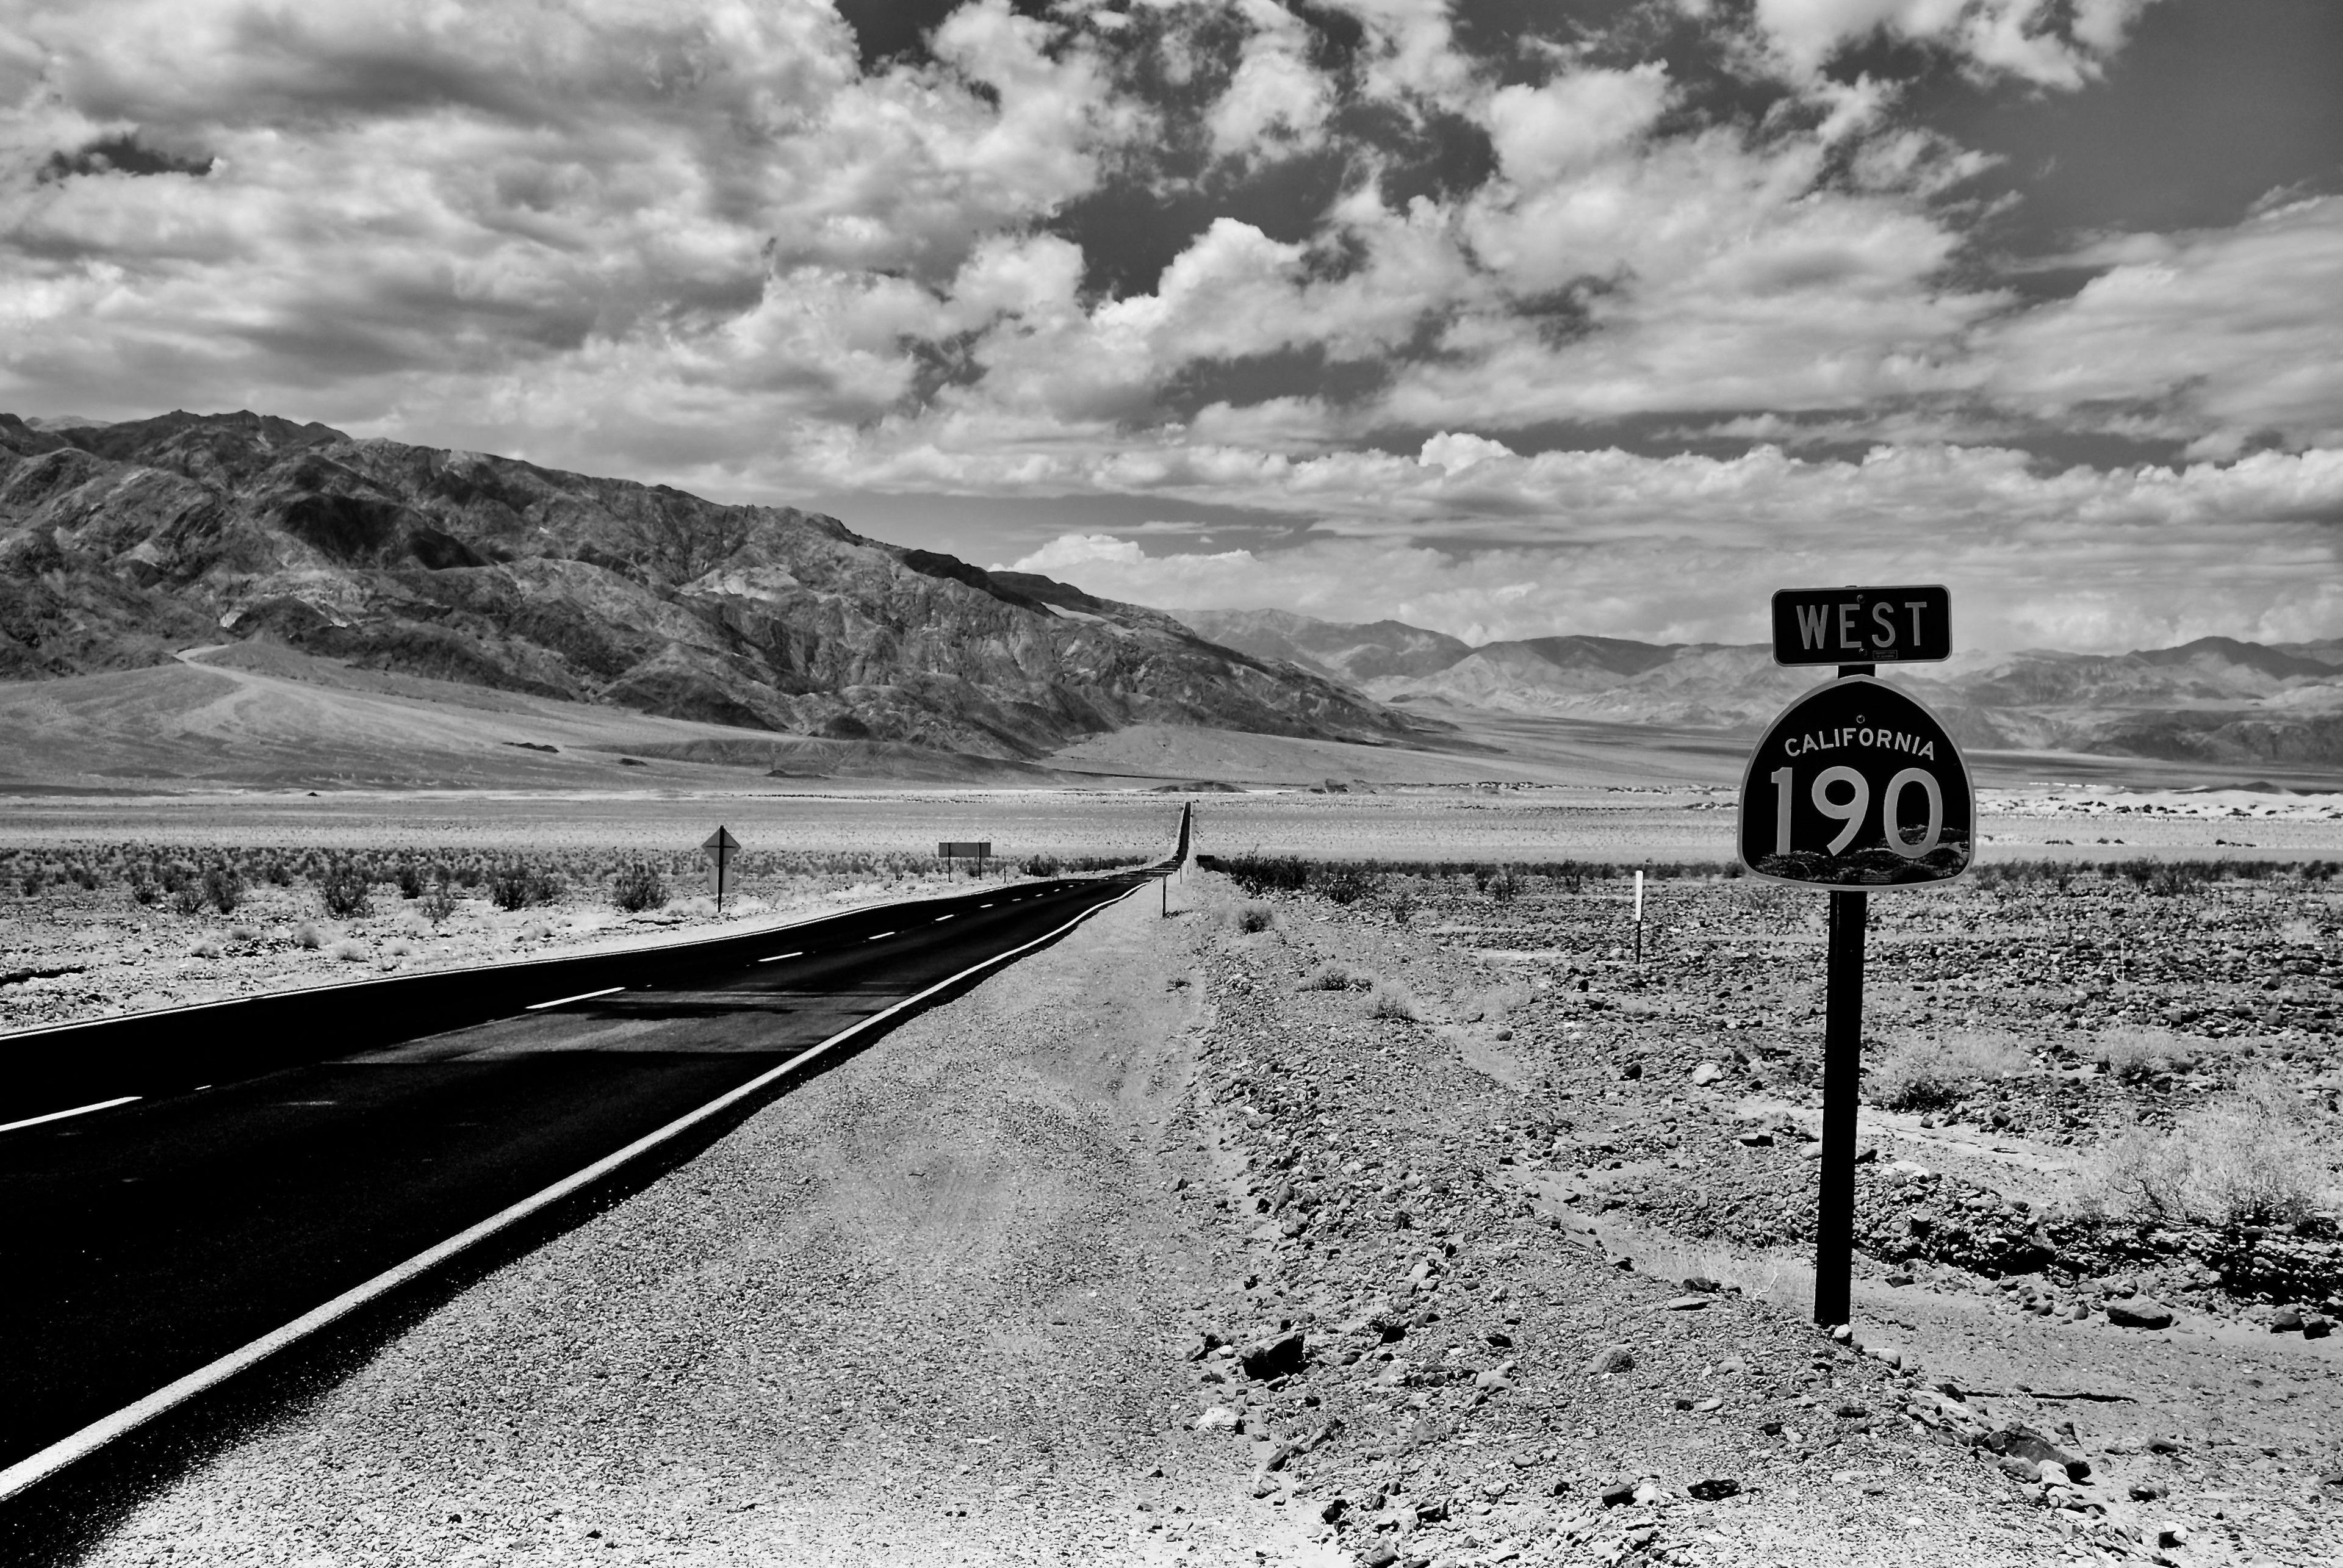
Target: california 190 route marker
1854, 786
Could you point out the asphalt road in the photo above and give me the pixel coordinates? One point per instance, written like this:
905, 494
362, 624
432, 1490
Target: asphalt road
145, 1241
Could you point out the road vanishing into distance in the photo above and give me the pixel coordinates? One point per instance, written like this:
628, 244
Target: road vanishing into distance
145, 1241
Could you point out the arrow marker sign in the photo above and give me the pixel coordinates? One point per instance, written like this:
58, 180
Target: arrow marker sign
718, 847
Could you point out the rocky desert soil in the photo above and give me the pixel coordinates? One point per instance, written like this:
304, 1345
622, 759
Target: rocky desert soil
1165, 1247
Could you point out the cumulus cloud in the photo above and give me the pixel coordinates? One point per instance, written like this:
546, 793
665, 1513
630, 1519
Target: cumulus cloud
1688, 548
2039, 41
2215, 337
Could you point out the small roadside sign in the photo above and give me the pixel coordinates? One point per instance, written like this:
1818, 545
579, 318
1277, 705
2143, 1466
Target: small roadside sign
720, 847
1863, 625
1857, 786
977, 850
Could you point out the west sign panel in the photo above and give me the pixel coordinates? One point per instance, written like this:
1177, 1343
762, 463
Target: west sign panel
1857, 787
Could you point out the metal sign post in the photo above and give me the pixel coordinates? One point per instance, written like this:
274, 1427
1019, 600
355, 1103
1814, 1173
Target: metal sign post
1855, 787
718, 847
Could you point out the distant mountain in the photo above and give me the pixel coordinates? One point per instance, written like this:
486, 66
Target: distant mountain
2216, 699
120, 544
1354, 653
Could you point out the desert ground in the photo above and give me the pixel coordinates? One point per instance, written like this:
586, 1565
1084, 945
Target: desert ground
77, 939
1419, 1225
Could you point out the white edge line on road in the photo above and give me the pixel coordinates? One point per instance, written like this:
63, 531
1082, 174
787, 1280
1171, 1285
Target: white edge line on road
581, 996
98, 1434
777, 958
76, 1111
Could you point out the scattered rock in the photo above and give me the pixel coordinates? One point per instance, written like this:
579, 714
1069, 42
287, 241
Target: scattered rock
1281, 1356
1707, 1073
1620, 1492
1611, 1359
1714, 1489
2139, 1313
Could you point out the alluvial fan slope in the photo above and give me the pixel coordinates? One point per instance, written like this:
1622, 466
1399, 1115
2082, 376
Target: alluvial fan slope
120, 544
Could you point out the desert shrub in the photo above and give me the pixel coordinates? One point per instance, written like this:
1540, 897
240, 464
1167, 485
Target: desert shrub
638, 888
1257, 873
346, 889
2246, 1158
1251, 918
517, 885
145, 890
1401, 905
1346, 884
222, 888
409, 877
2176, 879
1927, 1072
1040, 865
207, 946
188, 899
2133, 1054
348, 949
1504, 885
310, 935
1332, 975
439, 900
1395, 1002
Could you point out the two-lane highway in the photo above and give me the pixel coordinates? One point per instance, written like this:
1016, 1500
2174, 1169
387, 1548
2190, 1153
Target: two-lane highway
145, 1241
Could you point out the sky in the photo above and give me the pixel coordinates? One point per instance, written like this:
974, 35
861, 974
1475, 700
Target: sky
1503, 317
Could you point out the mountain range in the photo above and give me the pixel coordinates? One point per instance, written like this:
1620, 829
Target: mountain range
2214, 701
122, 544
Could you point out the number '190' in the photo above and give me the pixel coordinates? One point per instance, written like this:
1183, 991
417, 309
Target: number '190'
1850, 812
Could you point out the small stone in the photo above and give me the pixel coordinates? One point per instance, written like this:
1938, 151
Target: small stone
1611, 1359
1649, 1493
1280, 1356
1620, 1492
1714, 1489
1689, 1303
1220, 1418
1707, 1073
1757, 1141
2139, 1313
1333, 1509
2286, 1320
2315, 1327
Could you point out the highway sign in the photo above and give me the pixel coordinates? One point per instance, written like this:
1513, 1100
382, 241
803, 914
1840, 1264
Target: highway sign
980, 850
720, 842
1861, 624
1857, 787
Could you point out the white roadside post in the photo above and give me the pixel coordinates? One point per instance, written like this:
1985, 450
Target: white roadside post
1639, 920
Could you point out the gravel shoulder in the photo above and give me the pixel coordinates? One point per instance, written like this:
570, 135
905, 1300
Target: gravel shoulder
920, 1311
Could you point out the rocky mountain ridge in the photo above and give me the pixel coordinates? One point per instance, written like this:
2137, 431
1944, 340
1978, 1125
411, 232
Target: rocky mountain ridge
120, 544
2215, 700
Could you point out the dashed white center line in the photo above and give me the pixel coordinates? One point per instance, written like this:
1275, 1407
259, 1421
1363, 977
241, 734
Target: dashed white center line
984, 906
581, 996
777, 958
881, 936
61, 1115
939, 920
